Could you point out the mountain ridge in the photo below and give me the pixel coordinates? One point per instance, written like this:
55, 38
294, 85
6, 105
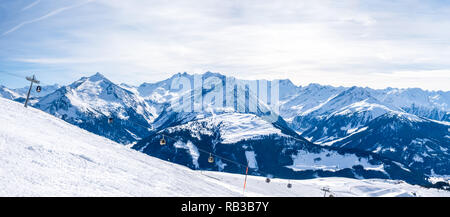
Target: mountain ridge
324, 115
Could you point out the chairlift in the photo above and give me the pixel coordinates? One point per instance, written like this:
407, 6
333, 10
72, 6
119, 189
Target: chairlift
210, 159
110, 120
38, 89
162, 141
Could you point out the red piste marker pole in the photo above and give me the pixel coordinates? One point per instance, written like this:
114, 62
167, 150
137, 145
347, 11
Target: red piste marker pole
245, 181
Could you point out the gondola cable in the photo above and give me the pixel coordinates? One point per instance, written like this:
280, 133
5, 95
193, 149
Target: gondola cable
21, 77
289, 185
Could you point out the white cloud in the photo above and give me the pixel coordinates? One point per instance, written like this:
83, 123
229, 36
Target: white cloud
329, 42
50, 14
31, 5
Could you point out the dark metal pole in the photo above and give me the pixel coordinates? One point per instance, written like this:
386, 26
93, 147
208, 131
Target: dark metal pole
32, 80
28, 95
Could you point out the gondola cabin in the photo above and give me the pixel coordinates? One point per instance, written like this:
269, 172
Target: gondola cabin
162, 141
210, 159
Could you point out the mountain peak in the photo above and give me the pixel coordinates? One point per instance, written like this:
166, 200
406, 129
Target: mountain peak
97, 76
287, 82
357, 91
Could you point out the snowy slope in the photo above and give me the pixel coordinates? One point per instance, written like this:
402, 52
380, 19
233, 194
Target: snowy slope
41, 155
341, 115
53, 158
233, 127
339, 187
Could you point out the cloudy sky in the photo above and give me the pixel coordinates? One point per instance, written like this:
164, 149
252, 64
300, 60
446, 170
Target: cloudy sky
341, 43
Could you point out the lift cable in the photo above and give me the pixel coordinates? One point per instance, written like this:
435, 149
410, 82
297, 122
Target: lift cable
19, 76
289, 185
208, 152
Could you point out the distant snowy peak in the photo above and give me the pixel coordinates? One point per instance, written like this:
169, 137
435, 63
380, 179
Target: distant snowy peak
160, 92
321, 99
419, 97
241, 103
288, 90
45, 90
8, 93
95, 85
84, 164
355, 97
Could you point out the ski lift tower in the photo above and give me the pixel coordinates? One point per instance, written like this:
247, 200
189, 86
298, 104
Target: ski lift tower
325, 191
32, 80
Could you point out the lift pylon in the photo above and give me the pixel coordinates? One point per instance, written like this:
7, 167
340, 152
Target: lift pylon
32, 80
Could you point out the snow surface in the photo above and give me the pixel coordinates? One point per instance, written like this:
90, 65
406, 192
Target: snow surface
353, 132
41, 155
251, 159
331, 161
233, 127
340, 187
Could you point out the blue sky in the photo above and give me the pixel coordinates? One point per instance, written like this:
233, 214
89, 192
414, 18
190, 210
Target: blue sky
341, 43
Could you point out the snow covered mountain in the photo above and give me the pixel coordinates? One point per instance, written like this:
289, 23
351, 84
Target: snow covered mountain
20, 94
344, 121
159, 94
91, 101
340, 115
240, 139
269, 148
8, 93
352, 108
45, 90
53, 158
44, 156
430, 104
394, 123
